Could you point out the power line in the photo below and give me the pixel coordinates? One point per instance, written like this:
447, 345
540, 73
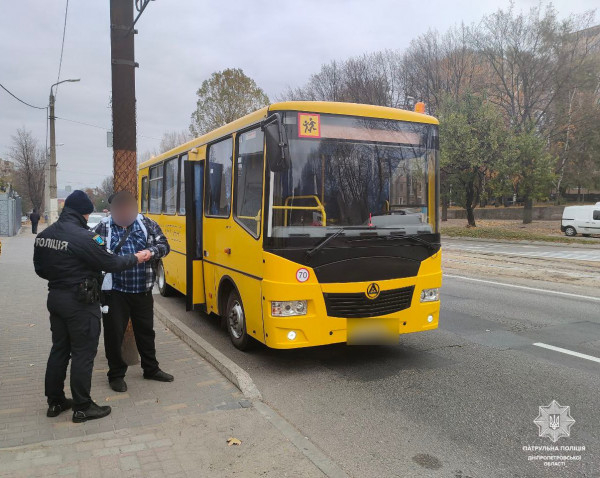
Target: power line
62, 47
81, 122
100, 127
19, 99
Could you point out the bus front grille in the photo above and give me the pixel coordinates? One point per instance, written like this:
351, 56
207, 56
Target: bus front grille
356, 304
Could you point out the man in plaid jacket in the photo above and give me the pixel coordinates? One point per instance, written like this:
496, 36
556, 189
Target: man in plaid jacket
129, 293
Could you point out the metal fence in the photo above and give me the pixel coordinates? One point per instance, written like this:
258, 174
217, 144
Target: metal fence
10, 212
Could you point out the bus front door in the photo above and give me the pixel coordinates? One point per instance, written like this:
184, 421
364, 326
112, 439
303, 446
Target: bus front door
194, 188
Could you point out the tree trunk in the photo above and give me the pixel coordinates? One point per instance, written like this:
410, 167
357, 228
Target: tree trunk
528, 211
444, 209
558, 185
469, 201
471, 217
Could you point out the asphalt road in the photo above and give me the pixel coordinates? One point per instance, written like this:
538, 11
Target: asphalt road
457, 402
576, 252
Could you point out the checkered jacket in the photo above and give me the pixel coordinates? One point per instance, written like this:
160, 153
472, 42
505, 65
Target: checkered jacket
142, 277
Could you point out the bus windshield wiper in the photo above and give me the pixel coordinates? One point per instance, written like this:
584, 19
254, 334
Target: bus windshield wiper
430, 245
321, 245
413, 237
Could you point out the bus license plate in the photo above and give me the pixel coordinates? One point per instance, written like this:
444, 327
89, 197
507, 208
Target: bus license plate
372, 331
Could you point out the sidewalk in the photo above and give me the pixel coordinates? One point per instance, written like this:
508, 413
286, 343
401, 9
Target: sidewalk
155, 429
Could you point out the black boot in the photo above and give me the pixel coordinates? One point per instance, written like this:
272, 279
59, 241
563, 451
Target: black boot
93, 412
160, 376
55, 409
118, 384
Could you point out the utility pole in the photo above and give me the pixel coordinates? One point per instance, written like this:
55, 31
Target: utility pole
123, 95
47, 179
123, 115
52, 186
52, 206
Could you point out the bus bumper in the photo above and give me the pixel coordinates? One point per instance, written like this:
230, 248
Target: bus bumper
317, 327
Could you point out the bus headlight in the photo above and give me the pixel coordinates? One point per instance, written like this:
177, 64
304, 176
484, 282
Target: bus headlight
430, 295
288, 308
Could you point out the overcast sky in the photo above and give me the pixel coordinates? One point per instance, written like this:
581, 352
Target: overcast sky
180, 43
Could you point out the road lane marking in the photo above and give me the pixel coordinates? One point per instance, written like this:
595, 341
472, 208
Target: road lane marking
534, 289
568, 352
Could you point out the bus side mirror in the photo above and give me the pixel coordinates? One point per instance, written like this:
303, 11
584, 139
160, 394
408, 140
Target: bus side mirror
278, 151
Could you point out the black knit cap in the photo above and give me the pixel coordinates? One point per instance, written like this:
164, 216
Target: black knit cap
80, 202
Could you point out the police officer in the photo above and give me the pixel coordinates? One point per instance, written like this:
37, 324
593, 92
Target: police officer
71, 258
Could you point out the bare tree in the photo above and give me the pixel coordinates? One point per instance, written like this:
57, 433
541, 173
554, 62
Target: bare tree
438, 66
534, 58
106, 187
30, 164
370, 79
172, 139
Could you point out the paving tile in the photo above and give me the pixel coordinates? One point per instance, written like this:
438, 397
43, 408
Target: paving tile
155, 429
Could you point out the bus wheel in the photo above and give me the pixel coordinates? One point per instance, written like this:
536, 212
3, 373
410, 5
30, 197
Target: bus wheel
236, 321
570, 231
165, 289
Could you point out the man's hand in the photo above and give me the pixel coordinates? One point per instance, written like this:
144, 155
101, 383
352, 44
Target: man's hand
143, 256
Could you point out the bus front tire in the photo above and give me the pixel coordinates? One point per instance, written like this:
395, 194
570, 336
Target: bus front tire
235, 320
570, 231
165, 289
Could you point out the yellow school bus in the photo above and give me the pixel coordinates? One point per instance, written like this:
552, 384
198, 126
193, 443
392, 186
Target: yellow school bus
304, 223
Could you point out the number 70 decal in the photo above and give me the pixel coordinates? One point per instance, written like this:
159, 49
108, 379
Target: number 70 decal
302, 274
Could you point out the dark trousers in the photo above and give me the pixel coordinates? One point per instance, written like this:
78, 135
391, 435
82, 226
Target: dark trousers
121, 307
34, 226
75, 334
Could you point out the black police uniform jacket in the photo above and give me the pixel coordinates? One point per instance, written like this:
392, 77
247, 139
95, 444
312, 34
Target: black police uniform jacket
67, 253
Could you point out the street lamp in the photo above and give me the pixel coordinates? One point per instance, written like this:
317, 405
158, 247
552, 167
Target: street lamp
52, 204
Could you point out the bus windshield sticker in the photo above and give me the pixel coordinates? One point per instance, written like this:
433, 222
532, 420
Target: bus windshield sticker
309, 125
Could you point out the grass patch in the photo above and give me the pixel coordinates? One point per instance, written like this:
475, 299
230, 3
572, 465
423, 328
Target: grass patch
509, 235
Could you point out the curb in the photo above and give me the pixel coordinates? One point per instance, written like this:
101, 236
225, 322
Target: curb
310, 451
581, 245
233, 372
240, 378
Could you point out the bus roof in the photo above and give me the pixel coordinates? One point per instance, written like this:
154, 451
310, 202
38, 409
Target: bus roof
350, 109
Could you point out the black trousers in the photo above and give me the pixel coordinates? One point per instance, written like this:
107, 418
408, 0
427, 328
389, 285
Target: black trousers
75, 334
34, 226
122, 306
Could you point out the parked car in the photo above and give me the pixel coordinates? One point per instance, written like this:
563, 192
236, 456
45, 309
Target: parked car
95, 219
584, 220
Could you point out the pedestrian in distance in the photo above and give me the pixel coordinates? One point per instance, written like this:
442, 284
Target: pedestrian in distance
34, 217
71, 257
128, 294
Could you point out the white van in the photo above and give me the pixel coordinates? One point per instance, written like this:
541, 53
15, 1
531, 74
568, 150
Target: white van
581, 220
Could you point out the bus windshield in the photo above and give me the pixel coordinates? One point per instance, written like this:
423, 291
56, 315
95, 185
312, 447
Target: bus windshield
365, 176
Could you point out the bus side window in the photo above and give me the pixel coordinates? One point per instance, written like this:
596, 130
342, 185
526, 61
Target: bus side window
218, 185
249, 180
596, 216
170, 181
144, 198
156, 187
182, 160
